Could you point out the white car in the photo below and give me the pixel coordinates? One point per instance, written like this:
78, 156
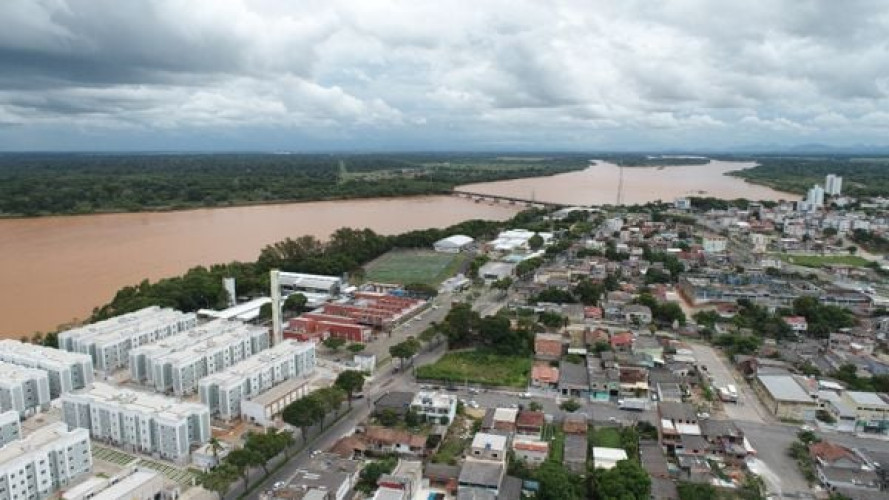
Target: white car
807, 428
473, 404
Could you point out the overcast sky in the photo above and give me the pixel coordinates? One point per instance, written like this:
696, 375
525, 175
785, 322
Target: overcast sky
371, 74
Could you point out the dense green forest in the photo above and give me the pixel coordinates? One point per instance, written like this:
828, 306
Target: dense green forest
44, 184
862, 176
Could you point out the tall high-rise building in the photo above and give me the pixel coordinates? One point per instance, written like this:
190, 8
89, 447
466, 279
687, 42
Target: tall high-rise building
815, 198
833, 185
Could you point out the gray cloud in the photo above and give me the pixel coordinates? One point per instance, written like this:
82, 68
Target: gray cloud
463, 74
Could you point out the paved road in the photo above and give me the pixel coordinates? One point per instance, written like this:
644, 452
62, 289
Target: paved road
383, 382
748, 408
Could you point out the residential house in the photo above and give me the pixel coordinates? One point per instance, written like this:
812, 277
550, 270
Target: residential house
544, 376
798, 324
435, 407
827, 454
637, 314
548, 346
633, 381
871, 410
622, 342
532, 452
488, 447
530, 423
573, 380
607, 458
604, 382
575, 423
397, 402
481, 478
382, 440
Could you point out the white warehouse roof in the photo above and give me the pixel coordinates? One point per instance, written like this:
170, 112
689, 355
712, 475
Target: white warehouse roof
457, 240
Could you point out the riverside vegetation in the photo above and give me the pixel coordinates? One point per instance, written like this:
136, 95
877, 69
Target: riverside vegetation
51, 184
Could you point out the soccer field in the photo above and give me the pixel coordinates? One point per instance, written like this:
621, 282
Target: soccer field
413, 266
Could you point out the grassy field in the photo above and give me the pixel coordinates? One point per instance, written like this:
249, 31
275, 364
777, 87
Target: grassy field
413, 266
608, 437
826, 260
478, 368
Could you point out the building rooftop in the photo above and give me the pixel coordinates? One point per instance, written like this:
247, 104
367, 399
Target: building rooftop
279, 391
43, 355
120, 489
785, 388
677, 411
142, 402
11, 374
489, 441
870, 399
575, 448
506, 415
285, 350
483, 472
41, 437
573, 374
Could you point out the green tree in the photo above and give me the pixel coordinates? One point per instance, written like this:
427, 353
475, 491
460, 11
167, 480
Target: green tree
558, 483
626, 481
219, 479
356, 347
535, 242
370, 474
502, 284
350, 381
570, 405
388, 417
535, 406
334, 343
331, 399
303, 413
295, 303
404, 350
460, 324
243, 459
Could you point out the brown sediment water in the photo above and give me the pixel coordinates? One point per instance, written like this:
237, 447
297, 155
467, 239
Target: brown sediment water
56, 269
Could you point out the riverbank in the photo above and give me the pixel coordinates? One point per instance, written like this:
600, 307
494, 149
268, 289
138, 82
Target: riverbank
599, 184
57, 269
50, 185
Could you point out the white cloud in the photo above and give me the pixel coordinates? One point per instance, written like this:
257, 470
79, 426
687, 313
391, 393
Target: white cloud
485, 73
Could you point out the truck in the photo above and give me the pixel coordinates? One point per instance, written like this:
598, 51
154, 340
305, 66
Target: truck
633, 404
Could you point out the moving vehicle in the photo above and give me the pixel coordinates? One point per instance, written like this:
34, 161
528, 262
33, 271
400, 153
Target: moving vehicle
633, 404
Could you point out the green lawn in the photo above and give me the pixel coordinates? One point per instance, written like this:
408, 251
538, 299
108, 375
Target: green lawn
557, 447
826, 260
607, 437
413, 266
478, 368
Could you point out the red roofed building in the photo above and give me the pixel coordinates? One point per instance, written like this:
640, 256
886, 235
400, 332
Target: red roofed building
548, 346
533, 453
797, 323
833, 455
545, 376
622, 342
530, 423
592, 312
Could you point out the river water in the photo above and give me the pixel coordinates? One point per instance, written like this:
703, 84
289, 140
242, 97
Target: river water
597, 185
56, 269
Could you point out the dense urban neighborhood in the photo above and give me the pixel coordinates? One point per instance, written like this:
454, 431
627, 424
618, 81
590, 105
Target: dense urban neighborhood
694, 349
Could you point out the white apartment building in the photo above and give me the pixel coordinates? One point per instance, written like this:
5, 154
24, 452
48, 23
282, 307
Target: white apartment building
142, 422
833, 185
435, 407
49, 459
224, 391
24, 390
815, 197
67, 371
177, 363
109, 342
10, 427
137, 484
